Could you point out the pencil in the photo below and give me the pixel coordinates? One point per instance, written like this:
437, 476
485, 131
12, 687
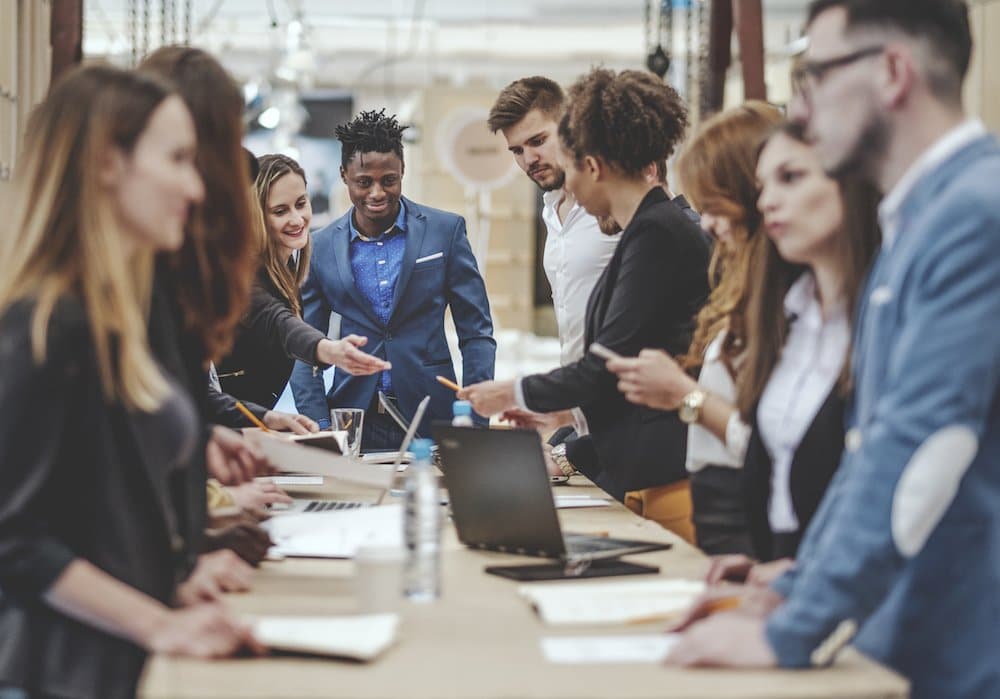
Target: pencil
449, 383
723, 604
251, 417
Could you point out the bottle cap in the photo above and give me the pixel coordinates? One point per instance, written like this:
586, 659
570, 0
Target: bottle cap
461, 407
421, 449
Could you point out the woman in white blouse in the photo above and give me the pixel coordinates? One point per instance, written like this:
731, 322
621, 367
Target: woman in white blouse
804, 275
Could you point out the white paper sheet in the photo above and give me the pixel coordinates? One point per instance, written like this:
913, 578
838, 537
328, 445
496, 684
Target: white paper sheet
358, 637
594, 602
336, 534
297, 458
567, 501
288, 481
645, 648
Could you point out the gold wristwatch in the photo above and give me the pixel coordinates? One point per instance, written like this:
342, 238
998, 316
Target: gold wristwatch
559, 457
690, 408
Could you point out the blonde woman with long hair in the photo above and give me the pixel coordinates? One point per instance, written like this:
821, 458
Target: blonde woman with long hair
87, 517
716, 170
273, 335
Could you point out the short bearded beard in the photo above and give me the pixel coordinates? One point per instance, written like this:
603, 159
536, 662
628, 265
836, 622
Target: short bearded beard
556, 183
868, 152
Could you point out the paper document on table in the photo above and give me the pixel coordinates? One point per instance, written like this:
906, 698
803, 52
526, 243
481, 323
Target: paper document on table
357, 637
287, 456
332, 440
611, 602
337, 533
645, 648
564, 502
292, 480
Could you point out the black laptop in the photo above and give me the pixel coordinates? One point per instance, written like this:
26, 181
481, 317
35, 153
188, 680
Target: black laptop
501, 499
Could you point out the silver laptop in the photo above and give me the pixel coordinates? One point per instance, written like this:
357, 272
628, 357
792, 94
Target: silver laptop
501, 499
307, 505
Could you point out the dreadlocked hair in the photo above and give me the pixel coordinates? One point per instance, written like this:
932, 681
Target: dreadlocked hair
628, 119
370, 132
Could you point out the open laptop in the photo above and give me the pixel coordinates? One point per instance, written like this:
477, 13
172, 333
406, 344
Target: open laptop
501, 499
308, 505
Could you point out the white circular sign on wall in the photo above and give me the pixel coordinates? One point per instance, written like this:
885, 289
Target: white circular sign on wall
473, 155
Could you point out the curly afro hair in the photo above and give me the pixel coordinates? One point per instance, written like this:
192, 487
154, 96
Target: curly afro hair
628, 119
370, 132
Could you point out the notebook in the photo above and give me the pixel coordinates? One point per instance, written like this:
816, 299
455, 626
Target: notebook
356, 637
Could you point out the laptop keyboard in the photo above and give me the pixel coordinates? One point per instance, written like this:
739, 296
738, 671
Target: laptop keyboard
328, 505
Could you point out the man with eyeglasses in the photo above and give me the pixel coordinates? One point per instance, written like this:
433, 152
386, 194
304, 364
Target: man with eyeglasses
903, 557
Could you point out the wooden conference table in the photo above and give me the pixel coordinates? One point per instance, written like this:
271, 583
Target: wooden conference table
481, 640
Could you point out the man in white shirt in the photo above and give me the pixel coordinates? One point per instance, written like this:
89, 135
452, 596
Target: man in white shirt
576, 251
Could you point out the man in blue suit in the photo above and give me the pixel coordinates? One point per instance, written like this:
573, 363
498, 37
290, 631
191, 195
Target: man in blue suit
903, 556
390, 267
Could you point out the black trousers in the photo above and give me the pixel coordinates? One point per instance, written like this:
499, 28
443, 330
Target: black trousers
720, 520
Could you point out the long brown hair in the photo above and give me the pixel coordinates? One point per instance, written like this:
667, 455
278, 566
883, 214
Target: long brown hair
771, 277
716, 170
214, 270
64, 239
272, 168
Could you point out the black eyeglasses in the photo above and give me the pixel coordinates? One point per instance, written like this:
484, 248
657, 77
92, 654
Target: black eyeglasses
808, 74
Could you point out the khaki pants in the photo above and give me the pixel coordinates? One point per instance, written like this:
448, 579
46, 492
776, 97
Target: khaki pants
667, 505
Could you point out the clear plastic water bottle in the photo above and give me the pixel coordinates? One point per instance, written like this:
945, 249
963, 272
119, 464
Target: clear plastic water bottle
423, 527
461, 411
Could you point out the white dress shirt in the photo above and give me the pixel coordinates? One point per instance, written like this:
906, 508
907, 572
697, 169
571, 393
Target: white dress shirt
889, 209
703, 447
810, 364
576, 254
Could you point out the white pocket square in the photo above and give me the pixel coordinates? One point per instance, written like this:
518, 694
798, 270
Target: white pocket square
429, 258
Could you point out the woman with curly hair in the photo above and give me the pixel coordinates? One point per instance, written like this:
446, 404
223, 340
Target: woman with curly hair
616, 126
717, 171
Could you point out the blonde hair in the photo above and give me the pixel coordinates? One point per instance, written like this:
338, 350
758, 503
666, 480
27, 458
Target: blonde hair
272, 168
718, 172
69, 242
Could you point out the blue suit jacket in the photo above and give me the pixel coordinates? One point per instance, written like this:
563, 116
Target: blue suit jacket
906, 543
438, 270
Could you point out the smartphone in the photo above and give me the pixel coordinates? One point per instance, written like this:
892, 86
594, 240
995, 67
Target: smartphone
603, 352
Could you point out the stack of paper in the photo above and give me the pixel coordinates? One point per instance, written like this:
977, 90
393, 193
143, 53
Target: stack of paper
289, 456
588, 650
567, 501
335, 534
357, 637
611, 602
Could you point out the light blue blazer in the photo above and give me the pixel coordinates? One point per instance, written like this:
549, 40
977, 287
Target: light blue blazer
438, 271
906, 544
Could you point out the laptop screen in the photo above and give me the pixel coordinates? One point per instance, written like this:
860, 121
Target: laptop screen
499, 490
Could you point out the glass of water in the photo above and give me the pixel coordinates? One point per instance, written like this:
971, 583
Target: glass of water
351, 421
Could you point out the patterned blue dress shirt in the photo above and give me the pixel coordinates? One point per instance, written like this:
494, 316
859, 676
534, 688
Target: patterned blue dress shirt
375, 263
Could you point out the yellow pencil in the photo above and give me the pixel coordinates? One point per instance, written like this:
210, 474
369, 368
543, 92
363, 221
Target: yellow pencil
251, 417
449, 383
723, 604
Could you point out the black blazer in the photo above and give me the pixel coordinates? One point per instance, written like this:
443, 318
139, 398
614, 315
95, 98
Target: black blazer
271, 337
813, 466
79, 478
647, 296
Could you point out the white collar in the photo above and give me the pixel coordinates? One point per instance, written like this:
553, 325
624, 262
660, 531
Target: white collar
802, 302
942, 149
801, 296
552, 199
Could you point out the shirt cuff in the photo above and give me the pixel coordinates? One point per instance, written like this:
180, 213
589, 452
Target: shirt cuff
737, 437
519, 393
324, 423
580, 423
